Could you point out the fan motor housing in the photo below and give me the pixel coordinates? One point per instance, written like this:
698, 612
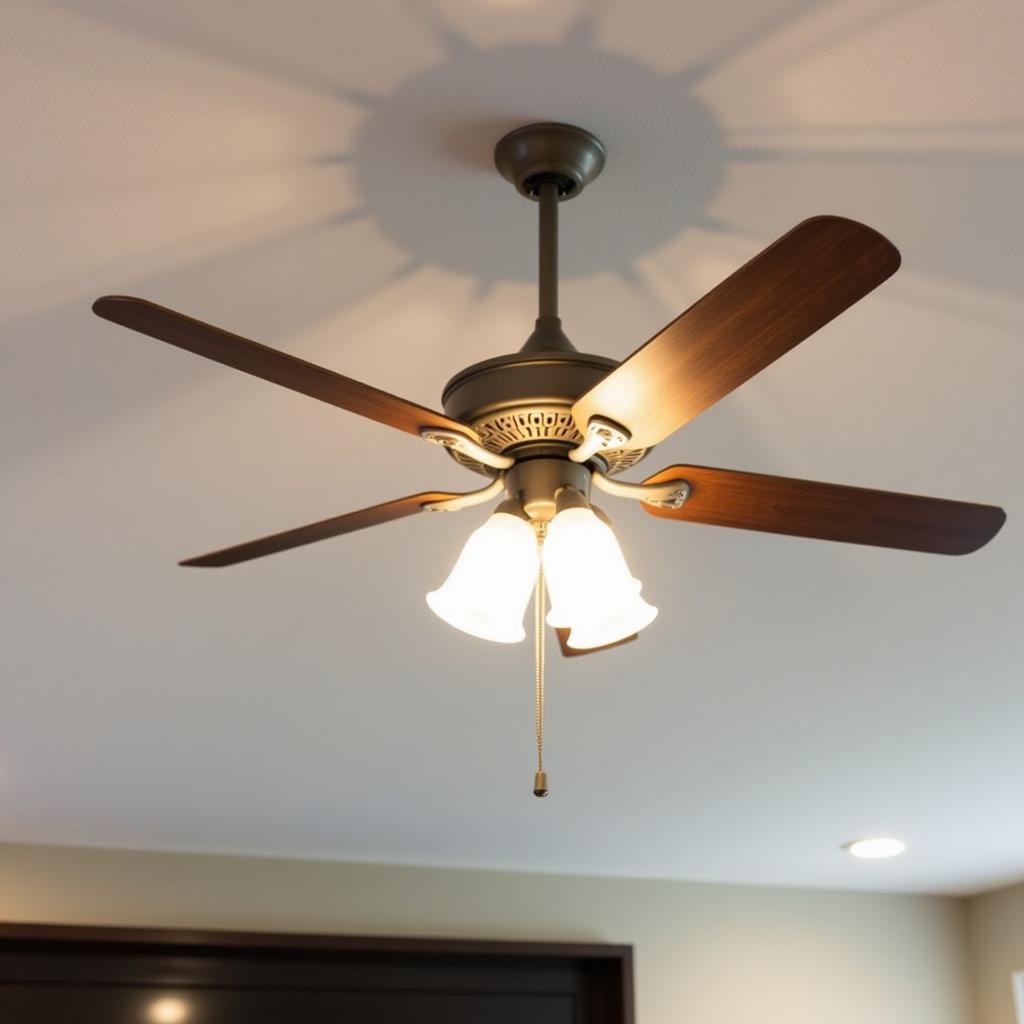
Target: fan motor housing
521, 405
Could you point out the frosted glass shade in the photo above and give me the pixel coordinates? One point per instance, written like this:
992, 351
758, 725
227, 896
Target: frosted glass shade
593, 593
629, 618
487, 592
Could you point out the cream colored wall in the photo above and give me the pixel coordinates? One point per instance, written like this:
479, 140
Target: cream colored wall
995, 929
706, 954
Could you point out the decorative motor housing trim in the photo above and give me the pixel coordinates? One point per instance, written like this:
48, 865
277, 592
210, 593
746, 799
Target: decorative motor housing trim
510, 429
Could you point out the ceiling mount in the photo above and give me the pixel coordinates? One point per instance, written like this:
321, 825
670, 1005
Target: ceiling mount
570, 157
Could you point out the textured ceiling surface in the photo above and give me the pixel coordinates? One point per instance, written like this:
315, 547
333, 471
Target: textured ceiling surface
317, 176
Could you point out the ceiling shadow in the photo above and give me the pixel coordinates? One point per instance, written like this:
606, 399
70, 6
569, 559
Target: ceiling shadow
421, 157
76, 372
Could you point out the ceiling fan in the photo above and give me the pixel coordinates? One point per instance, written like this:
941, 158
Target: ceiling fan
549, 424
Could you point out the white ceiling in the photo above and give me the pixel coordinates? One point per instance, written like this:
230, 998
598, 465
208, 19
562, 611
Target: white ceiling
316, 175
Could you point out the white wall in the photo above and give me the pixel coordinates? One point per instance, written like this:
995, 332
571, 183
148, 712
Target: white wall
706, 954
995, 923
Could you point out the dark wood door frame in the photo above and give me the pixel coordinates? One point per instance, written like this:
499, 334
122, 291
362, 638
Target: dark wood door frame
608, 968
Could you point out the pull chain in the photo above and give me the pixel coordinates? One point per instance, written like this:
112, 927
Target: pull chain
540, 779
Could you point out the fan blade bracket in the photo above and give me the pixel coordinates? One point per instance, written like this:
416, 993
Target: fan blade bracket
466, 446
671, 494
469, 499
601, 435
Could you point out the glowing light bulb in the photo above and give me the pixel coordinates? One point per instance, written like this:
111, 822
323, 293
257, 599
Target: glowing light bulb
592, 590
487, 592
168, 1011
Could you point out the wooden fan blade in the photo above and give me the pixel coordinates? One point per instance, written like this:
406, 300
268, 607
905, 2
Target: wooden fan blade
575, 652
272, 365
805, 508
782, 296
322, 530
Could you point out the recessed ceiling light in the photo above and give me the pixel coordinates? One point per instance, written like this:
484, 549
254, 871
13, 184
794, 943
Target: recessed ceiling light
875, 849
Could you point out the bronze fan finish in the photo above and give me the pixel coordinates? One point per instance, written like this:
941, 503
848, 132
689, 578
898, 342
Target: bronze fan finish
805, 508
782, 296
272, 365
326, 528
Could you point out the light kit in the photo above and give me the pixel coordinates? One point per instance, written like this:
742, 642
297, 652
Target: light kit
548, 425
593, 594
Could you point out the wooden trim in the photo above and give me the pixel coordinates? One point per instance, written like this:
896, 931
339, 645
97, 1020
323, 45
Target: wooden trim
617, 958
307, 940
